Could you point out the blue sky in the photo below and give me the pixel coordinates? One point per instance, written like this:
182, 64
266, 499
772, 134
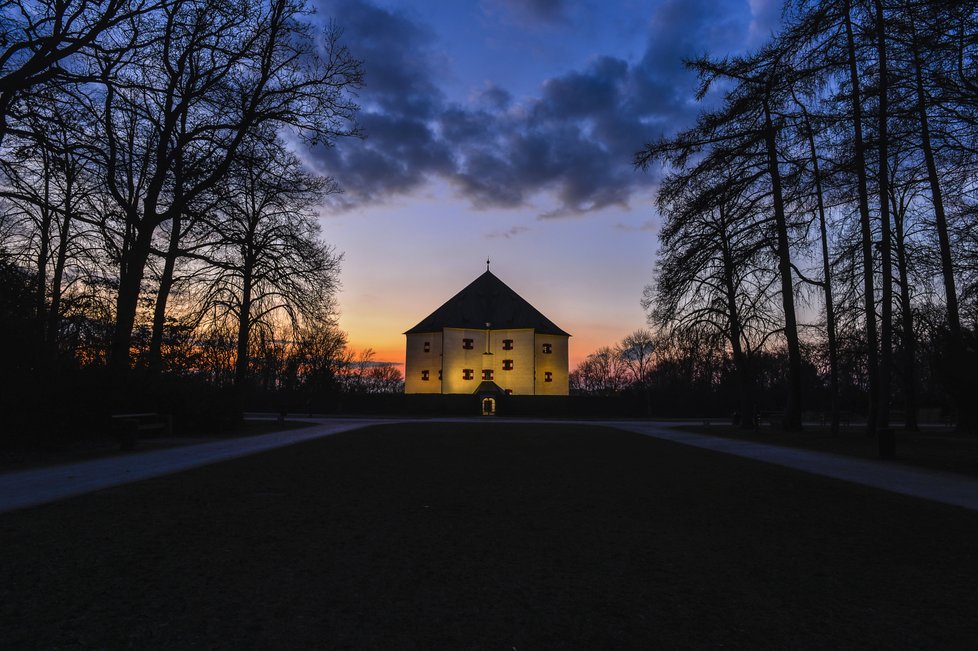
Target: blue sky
506, 128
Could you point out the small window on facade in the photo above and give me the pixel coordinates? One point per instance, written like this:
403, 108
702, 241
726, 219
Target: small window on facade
548, 348
424, 376
509, 392
439, 375
507, 344
467, 344
487, 374
427, 346
548, 376
507, 365
467, 374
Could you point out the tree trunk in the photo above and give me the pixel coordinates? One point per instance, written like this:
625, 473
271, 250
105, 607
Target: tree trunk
906, 323
163, 295
826, 276
866, 231
792, 411
244, 326
937, 200
955, 351
44, 251
886, 237
745, 387
54, 312
127, 301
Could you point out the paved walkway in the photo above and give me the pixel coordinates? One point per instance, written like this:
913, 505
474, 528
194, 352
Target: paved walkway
41, 485
33, 487
944, 487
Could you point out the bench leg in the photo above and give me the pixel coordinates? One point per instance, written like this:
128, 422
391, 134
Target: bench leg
127, 438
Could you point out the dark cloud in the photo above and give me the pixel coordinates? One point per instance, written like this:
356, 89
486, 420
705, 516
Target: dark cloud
401, 106
649, 225
494, 97
398, 155
459, 125
766, 18
573, 143
595, 91
508, 233
537, 11
398, 56
678, 30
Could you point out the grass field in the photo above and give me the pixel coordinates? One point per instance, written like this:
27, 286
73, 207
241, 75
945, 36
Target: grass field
937, 449
36, 452
489, 536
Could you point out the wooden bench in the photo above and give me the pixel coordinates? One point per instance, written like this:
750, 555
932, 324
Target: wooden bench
845, 418
735, 420
128, 426
773, 418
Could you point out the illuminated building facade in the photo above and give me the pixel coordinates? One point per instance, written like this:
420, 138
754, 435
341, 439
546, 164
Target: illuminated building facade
486, 339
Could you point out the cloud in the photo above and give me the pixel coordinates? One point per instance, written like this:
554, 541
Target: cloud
398, 53
765, 19
507, 234
649, 225
401, 104
547, 12
569, 147
679, 30
493, 97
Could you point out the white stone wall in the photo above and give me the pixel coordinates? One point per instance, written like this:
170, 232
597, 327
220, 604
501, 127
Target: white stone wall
455, 359
417, 360
520, 379
555, 362
446, 354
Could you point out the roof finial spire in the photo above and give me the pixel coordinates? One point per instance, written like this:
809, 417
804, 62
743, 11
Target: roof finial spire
487, 263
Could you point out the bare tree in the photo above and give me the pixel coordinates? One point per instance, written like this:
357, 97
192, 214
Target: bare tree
272, 257
806, 131
714, 276
176, 113
744, 135
638, 350
603, 372
50, 184
38, 41
362, 373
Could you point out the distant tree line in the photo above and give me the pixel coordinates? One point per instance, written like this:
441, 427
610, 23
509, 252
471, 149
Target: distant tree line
664, 372
823, 209
361, 373
155, 219
612, 369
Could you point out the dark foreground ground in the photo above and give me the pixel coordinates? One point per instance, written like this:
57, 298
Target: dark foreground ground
35, 452
489, 536
935, 448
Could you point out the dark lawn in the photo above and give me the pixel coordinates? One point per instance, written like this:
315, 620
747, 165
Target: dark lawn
489, 536
37, 451
937, 449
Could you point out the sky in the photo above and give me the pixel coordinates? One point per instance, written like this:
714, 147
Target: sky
506, 129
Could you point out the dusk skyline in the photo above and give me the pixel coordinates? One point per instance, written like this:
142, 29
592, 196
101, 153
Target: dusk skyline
491, 323
507, 130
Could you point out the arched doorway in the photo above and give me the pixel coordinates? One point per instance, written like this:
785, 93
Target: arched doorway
488, 406
487, 397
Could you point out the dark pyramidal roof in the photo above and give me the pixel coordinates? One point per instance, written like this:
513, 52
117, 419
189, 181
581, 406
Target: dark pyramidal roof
487, 300
489, 387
